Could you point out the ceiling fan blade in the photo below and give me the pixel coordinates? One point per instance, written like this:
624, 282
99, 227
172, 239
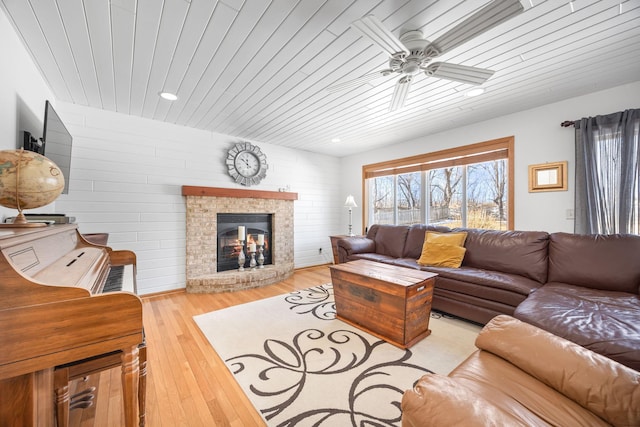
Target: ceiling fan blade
495, 13
357, 82
400, 93
371, 27
459, 73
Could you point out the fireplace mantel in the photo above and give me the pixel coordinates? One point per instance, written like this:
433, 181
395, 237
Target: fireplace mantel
188, 190
203, 204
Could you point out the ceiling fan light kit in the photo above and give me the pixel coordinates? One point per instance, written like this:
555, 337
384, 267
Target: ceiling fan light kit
168, 96
411, 54
474, 92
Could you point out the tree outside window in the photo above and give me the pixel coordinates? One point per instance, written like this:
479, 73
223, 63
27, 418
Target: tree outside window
383, 200
486, 195
445, 196
409, 200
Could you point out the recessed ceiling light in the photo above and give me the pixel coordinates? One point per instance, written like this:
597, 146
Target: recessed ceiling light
169, 96
335, 140
474, 92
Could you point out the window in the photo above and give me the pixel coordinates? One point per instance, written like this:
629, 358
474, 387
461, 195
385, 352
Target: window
409, 196
469, 186
383, 201
445, 196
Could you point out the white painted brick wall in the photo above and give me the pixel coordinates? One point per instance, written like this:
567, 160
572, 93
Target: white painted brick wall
126, 179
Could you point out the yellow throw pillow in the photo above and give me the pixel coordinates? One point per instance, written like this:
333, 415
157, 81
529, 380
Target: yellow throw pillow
441, 255
443, 249
455, 239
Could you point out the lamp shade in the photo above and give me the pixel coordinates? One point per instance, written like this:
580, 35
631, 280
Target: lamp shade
350, 202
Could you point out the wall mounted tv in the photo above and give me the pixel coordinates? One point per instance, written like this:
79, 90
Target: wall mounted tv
55, 144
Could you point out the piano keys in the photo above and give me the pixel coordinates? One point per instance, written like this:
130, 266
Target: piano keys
114, 280
54, 312
120, 279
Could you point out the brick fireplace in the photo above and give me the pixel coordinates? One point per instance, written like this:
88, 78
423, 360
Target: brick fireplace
203, 206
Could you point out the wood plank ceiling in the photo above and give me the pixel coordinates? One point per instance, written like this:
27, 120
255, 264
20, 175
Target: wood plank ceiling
258, 69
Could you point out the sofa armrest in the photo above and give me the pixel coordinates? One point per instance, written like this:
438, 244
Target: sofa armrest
436, 400
597, 383
348, 246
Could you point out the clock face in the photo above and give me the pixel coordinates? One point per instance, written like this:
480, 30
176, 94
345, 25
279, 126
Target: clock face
246, 163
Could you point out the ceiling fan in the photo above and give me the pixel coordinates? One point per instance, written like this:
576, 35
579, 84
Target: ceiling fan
412, 53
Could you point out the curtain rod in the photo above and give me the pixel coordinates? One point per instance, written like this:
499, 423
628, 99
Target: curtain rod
567, 123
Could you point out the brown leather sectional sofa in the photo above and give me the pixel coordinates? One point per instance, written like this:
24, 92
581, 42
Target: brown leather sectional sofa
524, 376
583, 288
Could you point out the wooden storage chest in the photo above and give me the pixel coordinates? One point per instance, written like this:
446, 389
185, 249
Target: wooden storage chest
390, 302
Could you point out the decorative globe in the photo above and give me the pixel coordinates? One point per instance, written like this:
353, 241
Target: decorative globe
28, 180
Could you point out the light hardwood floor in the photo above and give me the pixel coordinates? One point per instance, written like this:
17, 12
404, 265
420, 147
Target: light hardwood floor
187, 383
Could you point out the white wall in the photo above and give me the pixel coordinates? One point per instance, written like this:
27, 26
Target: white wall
22, 94
538, 139
127, 175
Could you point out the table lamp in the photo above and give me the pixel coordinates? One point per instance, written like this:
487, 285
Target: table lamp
350, 203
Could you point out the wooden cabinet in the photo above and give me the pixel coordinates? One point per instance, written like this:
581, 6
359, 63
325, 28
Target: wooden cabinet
390, 302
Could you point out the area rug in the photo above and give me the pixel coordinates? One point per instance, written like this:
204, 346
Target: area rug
300, 366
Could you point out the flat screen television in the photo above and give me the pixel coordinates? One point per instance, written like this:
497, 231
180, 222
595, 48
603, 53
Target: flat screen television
57, 143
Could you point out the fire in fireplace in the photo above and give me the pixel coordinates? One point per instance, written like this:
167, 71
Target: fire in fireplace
228, 244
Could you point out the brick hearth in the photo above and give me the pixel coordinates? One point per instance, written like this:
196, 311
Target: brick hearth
203, 205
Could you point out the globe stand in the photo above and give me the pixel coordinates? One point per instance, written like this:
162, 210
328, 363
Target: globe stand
20, 221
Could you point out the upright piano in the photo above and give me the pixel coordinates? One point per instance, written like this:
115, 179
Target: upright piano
55, 316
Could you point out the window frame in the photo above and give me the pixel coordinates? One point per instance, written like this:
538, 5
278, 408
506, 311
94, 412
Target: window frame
495, 149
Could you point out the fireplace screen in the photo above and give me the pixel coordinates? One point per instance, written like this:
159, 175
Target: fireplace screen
228, 244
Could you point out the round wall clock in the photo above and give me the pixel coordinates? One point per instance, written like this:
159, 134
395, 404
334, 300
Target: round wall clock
246, 163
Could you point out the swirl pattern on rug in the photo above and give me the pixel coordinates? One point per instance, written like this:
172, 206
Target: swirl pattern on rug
353, 372
317, 301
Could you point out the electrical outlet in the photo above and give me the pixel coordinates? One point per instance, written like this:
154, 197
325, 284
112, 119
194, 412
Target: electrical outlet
320, 251
570, 214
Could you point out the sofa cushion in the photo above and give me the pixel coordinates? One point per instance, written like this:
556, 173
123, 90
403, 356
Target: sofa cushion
606, 388
603, 321
486, 280
468, 307
596, 261
390, 240
415, 239
516, 252
371, 256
